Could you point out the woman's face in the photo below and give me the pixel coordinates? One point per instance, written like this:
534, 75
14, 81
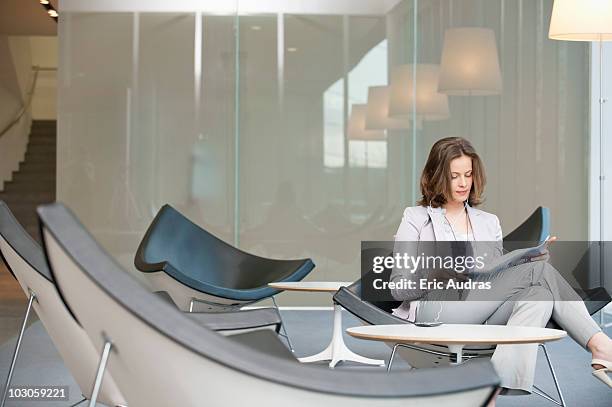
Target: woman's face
461, 178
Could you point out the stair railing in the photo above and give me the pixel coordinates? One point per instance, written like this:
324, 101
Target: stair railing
28, 102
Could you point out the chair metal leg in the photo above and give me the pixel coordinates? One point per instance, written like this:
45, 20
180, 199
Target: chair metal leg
78, 402
17, 348
284, 334
392, 356
100, 373
602, 317
542, 393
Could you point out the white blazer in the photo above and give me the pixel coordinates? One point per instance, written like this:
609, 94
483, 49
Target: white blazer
421, 223
428, 224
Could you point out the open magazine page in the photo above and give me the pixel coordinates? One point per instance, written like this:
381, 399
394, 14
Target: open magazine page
514, 258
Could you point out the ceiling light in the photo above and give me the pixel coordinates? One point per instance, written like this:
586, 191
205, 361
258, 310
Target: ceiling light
52, 13
256, 27
292, 49
44, 1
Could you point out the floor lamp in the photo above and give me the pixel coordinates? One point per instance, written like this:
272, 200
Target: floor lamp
587, 20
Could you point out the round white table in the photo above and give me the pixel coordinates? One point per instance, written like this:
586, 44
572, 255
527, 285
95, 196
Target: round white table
337, 350
456, 336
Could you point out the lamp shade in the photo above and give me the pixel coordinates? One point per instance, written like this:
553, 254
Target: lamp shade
356, 125
581, 20
377, 111
469, 63
428, 104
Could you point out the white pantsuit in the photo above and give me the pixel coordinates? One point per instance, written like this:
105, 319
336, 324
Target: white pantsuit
524, 295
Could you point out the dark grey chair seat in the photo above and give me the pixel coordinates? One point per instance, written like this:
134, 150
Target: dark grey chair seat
234, 320
206, 264
265, 342
239, 320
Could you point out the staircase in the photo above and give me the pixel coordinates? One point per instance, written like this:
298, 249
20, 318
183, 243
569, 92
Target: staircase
34, 183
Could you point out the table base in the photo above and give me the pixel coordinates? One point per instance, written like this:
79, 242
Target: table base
337, 351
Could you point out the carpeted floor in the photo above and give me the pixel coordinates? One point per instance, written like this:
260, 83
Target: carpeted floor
310, 332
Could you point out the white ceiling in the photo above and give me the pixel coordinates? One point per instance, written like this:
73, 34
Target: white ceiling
242, 7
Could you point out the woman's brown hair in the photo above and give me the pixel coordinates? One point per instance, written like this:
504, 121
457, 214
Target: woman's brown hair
436, 176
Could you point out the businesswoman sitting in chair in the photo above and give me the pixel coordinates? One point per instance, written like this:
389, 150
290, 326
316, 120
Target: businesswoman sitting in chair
526, 294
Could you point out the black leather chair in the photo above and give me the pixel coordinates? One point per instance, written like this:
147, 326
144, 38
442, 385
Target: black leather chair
199, 270
161, 357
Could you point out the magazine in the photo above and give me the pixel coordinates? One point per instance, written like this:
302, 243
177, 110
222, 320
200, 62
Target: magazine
514, 258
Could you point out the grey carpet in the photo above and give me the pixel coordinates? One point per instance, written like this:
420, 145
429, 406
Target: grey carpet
310, 332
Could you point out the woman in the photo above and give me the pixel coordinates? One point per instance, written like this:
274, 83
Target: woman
527, 294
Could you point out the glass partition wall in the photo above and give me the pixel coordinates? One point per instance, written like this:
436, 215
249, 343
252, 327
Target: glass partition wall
301, 130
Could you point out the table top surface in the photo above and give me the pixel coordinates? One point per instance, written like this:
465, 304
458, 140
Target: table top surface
459, 334
317, 286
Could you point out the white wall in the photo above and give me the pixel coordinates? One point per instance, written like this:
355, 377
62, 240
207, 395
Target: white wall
44, 54
15, 62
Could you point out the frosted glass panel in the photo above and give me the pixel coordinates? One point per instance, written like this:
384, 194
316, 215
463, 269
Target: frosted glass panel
247, 120
153, 123
532, 131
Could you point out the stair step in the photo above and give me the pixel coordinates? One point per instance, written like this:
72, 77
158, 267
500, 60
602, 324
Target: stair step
42, 140
48, 152
35, 174
33, 165
41, 149
43, 132
46, 175
43, 135
29, 198
19, 187
42, 156
32, 168
17, 195
31, 179
29, 201
36, 125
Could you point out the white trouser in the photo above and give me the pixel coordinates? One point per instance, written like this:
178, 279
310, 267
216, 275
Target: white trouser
524, 295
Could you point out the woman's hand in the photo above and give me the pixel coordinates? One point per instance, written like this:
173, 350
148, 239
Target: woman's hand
545, 256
